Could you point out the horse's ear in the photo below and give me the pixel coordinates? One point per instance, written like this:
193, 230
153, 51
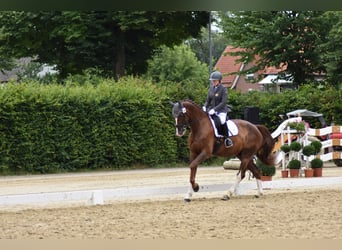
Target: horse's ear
171, 104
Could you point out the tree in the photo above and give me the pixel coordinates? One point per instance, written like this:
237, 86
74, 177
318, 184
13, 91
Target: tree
279, 37
200, 46
177, 64
331, 50
118, 42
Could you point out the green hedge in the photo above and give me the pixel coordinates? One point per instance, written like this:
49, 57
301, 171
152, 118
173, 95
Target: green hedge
324, 99
107, 124
53, 128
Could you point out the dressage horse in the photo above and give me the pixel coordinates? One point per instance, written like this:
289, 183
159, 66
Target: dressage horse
251, 140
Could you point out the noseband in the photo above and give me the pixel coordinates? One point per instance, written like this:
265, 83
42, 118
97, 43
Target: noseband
183, 114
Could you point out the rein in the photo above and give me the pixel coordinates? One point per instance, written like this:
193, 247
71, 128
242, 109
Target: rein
182, 112
189, 122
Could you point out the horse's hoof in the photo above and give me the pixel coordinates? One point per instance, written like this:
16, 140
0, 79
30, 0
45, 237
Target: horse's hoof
187, 200
225, 198
196, 188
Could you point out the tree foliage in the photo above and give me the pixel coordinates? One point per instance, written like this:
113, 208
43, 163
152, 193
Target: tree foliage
118, 42
289, 37
331, 50
200, 46
178, 64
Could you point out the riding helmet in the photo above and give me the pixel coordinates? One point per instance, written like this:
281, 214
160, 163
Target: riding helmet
216, 75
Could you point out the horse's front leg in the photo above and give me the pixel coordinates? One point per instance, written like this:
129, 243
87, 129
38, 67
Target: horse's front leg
193, 170
193, 185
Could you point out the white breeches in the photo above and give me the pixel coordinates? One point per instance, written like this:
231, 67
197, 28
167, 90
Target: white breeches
223, 117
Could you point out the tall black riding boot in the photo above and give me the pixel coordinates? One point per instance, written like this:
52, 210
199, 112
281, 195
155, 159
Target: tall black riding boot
227, 141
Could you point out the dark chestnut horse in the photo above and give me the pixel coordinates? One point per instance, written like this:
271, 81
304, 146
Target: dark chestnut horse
251, 140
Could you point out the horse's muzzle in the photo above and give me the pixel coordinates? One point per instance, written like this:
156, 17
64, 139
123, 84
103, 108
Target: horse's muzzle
180, 131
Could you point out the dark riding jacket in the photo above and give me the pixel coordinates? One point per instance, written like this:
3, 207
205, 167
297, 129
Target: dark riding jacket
217, 99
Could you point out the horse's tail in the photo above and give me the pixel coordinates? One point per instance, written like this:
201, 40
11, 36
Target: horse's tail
265, 154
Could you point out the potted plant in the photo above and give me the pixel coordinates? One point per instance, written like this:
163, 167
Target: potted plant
317, 165
266, 171
294, 163
286, 149
295, 146
294, 166
299, 126
317, 145
307, 151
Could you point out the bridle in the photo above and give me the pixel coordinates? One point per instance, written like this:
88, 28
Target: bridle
182, 113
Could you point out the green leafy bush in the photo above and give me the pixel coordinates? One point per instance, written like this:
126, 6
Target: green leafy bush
317, 146
54, 128
295, 146
294, 164
272, 105
308, 150
91, 122
285, 148
299, 126
316, 163
265, 170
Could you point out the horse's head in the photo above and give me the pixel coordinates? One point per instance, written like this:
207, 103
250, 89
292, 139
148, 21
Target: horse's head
181, 120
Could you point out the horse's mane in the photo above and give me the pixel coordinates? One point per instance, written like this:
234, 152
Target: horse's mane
192, 102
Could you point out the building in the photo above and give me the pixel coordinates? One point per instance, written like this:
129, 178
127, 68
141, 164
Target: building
262, 80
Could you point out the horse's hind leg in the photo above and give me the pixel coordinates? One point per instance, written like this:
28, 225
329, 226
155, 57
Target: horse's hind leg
239, 177
259, 185
232, 190
254, 169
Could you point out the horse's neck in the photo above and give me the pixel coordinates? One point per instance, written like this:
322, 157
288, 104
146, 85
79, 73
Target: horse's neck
198, 120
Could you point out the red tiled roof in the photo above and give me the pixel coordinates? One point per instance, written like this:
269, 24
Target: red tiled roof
226, 64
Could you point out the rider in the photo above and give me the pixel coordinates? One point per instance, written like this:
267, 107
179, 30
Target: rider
216, 103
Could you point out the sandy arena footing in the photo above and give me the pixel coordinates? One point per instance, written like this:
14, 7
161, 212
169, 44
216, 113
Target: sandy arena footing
139, 185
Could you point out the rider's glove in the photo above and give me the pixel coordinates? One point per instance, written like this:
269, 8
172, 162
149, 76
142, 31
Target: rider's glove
204, 109
211, 112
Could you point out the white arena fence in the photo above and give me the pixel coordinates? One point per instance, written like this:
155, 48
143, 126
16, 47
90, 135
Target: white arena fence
327, 143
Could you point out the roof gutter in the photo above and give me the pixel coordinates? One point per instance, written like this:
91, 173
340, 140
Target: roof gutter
237, 77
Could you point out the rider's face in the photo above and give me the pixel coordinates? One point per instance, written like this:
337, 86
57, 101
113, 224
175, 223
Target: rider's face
215, 82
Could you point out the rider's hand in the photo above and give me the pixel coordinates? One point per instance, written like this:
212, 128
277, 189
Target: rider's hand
204, 109
211, 112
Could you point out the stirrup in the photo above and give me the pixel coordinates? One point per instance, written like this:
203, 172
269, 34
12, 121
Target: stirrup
228, 143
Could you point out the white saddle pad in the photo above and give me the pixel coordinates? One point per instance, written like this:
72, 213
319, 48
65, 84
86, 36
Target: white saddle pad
232, 128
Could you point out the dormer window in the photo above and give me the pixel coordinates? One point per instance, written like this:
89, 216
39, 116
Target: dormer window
250, 77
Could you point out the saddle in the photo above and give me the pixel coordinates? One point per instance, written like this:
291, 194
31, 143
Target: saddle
216, 123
